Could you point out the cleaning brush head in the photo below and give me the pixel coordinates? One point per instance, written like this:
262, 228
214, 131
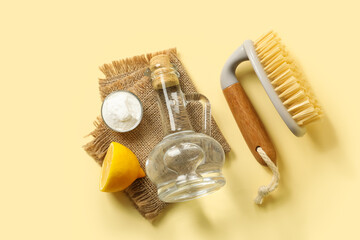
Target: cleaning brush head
287, 80
281, 78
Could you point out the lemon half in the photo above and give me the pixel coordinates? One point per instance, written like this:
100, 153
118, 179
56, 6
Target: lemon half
120, 168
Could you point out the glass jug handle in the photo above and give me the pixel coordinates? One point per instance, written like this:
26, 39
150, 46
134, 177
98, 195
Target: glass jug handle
197, 97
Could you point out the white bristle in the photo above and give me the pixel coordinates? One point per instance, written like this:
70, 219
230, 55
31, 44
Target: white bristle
287, 80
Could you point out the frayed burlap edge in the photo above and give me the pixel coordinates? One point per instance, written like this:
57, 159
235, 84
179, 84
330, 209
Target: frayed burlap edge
120, 68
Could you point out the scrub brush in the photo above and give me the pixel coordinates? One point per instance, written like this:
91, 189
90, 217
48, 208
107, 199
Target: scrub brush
287, 89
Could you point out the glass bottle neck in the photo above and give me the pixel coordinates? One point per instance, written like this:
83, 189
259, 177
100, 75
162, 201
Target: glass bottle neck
173, 111
172, 104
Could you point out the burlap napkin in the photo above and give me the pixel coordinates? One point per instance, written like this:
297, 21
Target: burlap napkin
128, 74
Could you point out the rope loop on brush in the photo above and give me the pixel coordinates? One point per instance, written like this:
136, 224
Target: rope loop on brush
265, 190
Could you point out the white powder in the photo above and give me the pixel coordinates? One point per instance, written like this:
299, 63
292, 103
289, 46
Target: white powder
122, 111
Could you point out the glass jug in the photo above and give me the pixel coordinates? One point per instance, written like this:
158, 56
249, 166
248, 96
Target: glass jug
185, 164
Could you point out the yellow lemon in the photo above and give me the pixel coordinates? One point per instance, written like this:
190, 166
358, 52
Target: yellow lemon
120, 168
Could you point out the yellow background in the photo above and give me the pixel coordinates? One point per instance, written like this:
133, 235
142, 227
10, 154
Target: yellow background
50, 52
